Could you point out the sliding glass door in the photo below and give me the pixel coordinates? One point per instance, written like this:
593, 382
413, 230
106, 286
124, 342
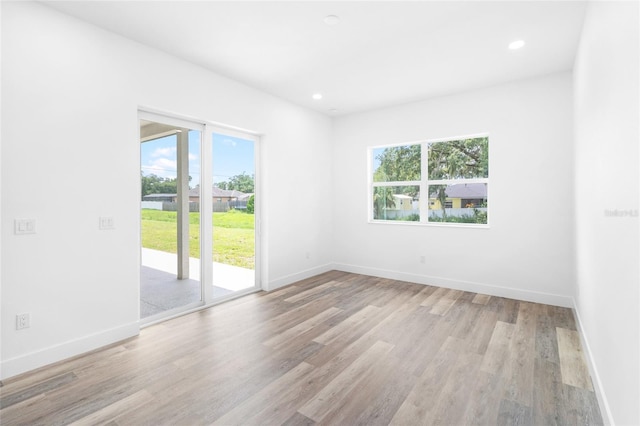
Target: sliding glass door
198, 215
169, 217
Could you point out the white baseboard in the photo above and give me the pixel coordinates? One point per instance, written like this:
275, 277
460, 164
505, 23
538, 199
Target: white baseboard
597, 384
28, 362
492, 290
298, 276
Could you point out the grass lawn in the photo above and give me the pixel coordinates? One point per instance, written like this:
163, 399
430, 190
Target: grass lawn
233, 235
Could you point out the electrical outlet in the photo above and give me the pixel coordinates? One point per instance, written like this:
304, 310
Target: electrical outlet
22, 321
423, 259
308, 255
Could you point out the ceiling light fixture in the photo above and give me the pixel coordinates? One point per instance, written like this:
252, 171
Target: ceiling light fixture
317, 96
331, 20
515, 45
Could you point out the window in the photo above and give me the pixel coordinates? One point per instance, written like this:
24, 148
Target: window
442, 181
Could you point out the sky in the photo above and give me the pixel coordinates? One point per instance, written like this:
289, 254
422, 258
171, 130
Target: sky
231, 156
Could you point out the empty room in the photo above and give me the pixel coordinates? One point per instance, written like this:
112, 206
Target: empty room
412, 213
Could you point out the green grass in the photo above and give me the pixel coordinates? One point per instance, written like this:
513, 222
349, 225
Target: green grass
233, 235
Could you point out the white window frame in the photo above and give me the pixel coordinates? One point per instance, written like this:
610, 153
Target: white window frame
423, 183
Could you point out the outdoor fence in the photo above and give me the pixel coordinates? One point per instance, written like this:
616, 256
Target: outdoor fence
194, 206
456, 212
151, 205
401, 214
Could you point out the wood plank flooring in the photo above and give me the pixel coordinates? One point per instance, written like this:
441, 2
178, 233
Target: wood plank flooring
336, 349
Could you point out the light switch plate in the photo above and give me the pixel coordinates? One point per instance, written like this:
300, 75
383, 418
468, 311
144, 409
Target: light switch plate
106, 223
24, 226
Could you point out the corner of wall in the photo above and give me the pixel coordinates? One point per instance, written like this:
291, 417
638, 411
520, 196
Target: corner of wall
298, 276
593, 371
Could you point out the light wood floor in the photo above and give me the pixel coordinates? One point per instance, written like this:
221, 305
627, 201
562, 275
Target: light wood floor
339, 349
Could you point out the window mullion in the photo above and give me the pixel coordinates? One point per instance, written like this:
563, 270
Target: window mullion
399, 183
424, 186
391, 201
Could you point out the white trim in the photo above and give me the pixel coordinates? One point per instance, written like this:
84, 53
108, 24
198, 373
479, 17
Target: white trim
457, 138
397, 144
605, 410
207, 129
450, 182
423, 183
40, 358
171, 313
254, 138
206, 212
172, 120
428, 141
257, 212
298, 276
195, 308
430, 224
188, 121
397, 183
474, 287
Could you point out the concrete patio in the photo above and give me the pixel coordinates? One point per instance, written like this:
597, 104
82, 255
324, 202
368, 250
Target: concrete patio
160, 290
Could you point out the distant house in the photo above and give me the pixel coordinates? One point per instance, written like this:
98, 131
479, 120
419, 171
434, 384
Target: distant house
218, 195
245, 197
403, 202
461, 196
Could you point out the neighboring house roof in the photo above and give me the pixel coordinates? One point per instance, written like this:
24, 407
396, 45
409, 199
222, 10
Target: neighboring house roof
468, 190
245, 197
218, 192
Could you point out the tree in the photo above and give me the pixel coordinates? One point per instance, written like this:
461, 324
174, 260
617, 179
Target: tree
251, 204
399, 163
242, 182
153, 184
382, 200
458, 159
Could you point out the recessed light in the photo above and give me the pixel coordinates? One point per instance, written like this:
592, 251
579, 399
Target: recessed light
515, 45
331, 20
317, 96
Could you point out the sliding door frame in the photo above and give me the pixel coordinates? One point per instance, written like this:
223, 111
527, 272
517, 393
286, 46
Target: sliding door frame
207, 129
207, 236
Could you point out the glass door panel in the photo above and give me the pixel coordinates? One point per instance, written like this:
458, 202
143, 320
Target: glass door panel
170, 219
233, 205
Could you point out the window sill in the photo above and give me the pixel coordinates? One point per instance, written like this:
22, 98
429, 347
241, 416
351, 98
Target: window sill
431, 224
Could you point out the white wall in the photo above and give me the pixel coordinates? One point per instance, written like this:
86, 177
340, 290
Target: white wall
608, 256
69, 137
528, 251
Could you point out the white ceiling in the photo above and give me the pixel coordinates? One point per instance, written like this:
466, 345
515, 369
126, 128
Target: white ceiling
380, 54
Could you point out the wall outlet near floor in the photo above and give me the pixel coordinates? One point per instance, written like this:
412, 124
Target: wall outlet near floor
23, 321
423, 259
307, 255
